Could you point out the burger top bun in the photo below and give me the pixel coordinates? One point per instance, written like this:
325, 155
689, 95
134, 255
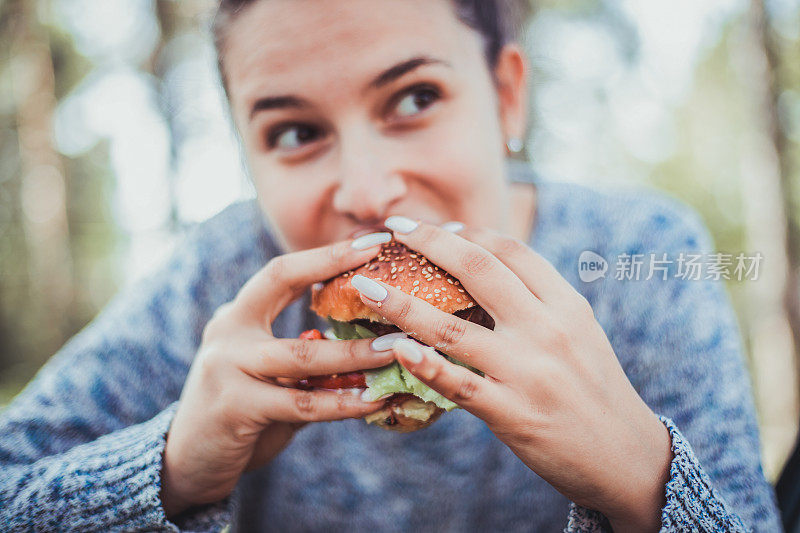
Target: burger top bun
400, 267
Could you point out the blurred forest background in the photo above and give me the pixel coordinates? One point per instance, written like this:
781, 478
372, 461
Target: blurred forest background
114, 139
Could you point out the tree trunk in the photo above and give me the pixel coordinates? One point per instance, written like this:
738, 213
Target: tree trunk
43, 187
773, 326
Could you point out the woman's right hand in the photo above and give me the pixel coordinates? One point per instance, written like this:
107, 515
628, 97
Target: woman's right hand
234, 415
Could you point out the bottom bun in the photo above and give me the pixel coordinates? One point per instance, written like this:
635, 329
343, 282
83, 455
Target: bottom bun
405, 413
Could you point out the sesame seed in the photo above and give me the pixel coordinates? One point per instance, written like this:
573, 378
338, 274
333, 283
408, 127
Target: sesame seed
436, 291
429, 296
458, 300
416, 283
401, 269
424, 289
413, 268
438, 276
394, 269
450, 281
460, 290
394, 276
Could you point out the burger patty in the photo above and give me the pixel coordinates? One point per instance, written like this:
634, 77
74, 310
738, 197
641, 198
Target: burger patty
475, 314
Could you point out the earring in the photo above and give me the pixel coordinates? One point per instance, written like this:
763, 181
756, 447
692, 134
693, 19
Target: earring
514, 145
516, 149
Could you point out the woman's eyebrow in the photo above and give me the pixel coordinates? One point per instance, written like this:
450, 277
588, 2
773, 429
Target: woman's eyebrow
403, 68
276, 102
387, 76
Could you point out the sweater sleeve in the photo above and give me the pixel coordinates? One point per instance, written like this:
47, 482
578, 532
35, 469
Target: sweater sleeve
692, 503
81, 445
678, 341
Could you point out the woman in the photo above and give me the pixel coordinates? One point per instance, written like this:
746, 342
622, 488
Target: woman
358, 116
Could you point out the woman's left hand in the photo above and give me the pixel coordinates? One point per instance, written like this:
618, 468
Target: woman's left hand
553, 391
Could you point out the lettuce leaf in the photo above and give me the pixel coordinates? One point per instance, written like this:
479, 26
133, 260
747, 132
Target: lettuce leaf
420, 390
394, 377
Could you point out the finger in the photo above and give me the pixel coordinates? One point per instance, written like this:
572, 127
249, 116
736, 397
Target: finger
470, 391
299, 358
289, 382
280, 404
287, 276
496, 288
541, 277
459, 338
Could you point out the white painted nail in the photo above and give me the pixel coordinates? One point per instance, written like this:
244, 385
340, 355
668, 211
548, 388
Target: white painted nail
371, 239
400, 224
410, 350
384, 343
369, 288
453, 227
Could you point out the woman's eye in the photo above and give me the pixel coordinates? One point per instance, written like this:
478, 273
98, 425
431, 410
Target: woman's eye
292, 136
416, 101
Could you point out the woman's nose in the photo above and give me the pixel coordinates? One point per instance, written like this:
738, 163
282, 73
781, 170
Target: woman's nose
368, 185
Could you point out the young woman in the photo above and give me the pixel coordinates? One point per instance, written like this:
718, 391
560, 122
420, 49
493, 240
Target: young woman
617, 404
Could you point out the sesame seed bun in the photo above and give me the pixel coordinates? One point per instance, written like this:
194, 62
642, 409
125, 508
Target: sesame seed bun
400, 267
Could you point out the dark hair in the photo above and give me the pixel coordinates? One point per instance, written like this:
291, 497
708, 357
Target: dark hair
498, 21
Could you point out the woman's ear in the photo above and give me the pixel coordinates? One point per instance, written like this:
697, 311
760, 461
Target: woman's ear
511, 79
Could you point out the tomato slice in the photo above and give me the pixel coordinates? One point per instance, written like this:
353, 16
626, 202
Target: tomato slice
348, 380
311, 334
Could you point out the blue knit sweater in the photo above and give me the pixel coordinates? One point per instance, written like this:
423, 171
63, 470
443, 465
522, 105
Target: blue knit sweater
80, 447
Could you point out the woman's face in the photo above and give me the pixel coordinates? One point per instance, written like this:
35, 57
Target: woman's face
355, 110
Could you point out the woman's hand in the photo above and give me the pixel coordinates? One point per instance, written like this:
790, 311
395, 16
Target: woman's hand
233, 414
553, 390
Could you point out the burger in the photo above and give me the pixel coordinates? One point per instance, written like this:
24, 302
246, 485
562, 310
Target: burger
410, 404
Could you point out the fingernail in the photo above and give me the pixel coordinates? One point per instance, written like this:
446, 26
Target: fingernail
371, 239
400, 224
369, 288
453, 226
384, 343
409, 349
